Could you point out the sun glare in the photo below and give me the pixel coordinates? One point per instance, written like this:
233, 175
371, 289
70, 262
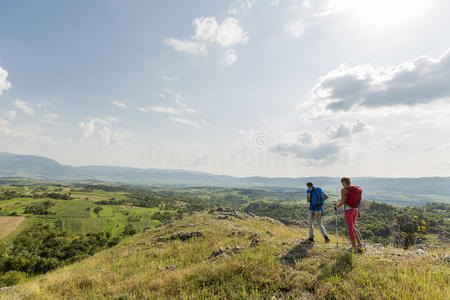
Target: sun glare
387, 14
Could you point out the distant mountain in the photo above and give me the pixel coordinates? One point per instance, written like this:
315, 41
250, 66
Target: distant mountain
408, 191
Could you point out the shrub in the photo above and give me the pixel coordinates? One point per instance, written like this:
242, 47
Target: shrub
12, 278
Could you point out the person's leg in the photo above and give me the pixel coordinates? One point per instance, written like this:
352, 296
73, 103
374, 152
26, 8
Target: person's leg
319, 223
351, 229
310, 224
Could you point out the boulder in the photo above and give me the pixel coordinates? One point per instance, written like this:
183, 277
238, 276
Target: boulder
403, 231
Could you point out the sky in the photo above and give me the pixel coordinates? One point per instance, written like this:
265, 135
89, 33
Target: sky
286, 88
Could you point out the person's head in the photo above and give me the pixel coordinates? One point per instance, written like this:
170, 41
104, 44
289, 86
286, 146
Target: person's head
309, 185
346, 181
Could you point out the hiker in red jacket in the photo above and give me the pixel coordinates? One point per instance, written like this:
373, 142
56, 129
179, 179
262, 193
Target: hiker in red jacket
351, 198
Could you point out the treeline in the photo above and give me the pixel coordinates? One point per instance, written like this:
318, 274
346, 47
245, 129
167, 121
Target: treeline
375, 219
9, 194
44, 247
39, 208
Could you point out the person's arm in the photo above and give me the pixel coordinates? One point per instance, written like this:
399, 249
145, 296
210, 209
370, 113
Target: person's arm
308, 197
326, 196
343, 196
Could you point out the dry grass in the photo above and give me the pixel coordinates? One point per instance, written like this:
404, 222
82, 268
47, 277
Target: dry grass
136, 268
8, 224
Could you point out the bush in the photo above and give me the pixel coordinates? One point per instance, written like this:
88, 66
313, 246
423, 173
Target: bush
129, 229
12, 278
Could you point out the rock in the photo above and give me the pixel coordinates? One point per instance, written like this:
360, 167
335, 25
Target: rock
446, 258
419, 240
403, 231
226, 212
229, 250
378, 246
222, 217
237, 233
170, 267
146, 228
269, 233
183, 236
159, 268
420, 251
253, 234
254, 241
251, 214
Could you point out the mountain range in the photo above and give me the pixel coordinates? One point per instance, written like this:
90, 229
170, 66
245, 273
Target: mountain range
407, 191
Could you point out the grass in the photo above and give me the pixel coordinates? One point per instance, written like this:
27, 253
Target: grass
279, 265
9, 224
77, 214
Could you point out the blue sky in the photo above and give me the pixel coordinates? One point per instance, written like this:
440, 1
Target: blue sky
269, 88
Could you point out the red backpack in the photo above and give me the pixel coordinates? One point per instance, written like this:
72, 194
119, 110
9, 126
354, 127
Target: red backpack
354, 194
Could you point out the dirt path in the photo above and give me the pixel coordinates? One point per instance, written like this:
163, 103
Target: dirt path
8, 224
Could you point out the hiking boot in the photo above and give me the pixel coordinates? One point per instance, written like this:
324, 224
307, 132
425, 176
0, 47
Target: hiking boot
327, 240
356, 250
311, 240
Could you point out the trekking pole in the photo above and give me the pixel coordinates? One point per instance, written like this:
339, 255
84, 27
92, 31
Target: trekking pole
337, 242
360, 236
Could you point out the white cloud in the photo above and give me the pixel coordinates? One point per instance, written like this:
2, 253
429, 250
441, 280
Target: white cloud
191, 47
87, 128
110, 137
11, 114
306, 13
318, 151
192, 123
112, 119
119, 104
106, 135
5, 126
420, 81
179, 108
229, 58
169, 79
240, 6
167, 110
143, 109
227, 34
330, 7
319, 147
42, 104
4, 83
25, 132
295, 28
23, 106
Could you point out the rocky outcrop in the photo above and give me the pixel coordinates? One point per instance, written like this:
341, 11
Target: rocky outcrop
225, 212
404, 231
229, 251
182, 236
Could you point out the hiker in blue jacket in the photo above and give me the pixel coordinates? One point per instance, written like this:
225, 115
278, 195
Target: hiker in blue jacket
316, 198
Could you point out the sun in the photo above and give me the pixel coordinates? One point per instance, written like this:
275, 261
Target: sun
387, 14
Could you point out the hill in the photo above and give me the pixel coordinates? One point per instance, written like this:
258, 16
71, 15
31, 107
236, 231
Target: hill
226, 254
401, 191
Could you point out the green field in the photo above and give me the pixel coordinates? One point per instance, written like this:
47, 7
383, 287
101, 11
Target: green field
77, 214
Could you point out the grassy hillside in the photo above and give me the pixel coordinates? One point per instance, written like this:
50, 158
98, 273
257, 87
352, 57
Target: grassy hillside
260, 258
74, 207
